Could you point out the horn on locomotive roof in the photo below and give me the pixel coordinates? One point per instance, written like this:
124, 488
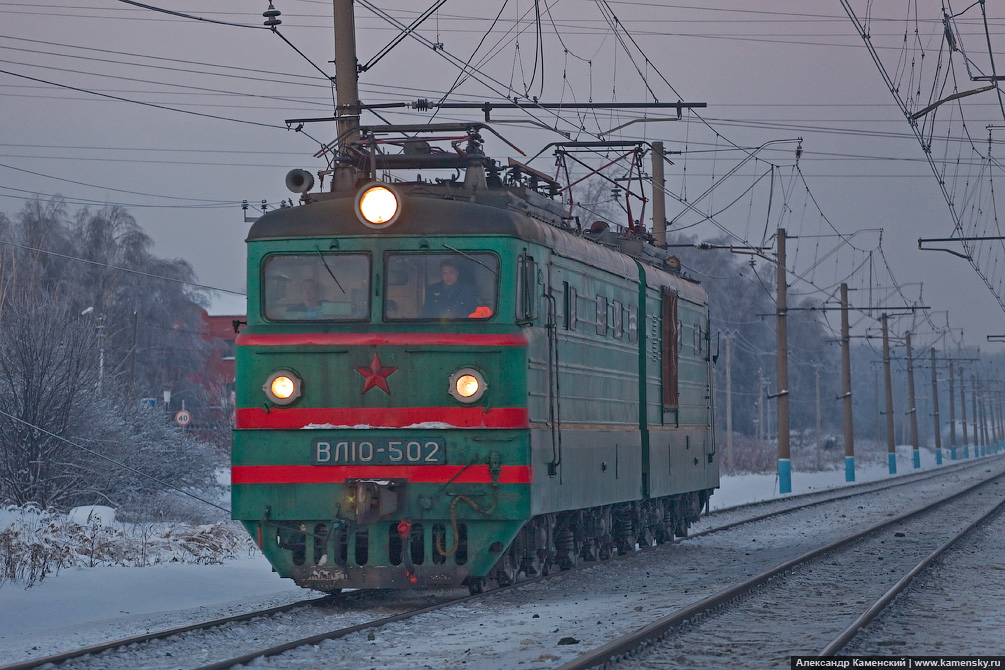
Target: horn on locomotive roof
299, 181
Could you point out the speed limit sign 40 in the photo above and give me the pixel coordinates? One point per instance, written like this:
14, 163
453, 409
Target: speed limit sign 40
182, 417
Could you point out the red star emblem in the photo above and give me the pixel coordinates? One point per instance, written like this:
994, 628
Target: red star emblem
376, 375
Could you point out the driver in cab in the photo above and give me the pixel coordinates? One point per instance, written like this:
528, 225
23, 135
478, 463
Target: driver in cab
450, 298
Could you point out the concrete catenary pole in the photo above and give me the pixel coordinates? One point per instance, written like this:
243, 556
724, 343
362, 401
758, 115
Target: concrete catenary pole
952, 413
849, 436
1001, 427
891, 442
346, 74
784, 457
983, 422
820, 442
760, 407
973, 399
912, 409
879, 410
963, 414
729, 400
989, 413
935, 411
659, 197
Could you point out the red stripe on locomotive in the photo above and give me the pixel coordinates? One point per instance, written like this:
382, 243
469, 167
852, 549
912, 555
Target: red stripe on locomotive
335, 474
381, 417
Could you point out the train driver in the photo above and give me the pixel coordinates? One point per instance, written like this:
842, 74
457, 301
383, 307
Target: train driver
450, 298
310, 306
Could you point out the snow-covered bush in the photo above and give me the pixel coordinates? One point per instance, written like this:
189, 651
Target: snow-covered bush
35, 543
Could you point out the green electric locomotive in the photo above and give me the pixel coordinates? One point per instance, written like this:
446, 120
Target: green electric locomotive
447, 382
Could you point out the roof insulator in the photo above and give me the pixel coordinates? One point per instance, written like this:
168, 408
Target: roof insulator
272, 16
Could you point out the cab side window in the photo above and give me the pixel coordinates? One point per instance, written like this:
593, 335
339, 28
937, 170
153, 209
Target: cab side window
316, 287
440, 287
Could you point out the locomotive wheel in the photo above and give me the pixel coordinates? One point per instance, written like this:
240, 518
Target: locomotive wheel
535, 564
606, 550
506, 570
567, 561
547, 563
476, 585
567, 548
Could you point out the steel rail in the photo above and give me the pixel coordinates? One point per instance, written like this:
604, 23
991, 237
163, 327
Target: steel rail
881, 603
860, 488
342, 632
633, 642
147, 637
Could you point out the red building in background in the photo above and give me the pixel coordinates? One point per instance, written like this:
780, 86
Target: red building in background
215, 419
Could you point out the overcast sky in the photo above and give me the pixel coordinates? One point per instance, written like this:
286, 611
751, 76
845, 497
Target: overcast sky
180, 120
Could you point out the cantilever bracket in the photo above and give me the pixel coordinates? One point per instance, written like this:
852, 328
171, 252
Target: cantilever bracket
922, 240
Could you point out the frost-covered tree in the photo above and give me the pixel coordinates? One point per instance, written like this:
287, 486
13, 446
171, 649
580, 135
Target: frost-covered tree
47, 393
83, 339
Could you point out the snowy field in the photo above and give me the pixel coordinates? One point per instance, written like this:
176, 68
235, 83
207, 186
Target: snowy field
82, 605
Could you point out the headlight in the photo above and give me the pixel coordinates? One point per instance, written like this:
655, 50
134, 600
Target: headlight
377, 205
467, 385
282, 387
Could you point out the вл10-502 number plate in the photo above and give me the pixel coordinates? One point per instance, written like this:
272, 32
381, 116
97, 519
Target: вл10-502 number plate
379, 451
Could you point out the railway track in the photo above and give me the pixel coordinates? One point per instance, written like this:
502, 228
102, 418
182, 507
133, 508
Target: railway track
813, 605
327, 616
727, 517
287, 621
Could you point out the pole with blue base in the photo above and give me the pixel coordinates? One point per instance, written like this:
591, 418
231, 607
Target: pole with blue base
973, 397
963, 414
952, 413
913, 409
784, 475
849, 433
891, 445
935, 411
784, 465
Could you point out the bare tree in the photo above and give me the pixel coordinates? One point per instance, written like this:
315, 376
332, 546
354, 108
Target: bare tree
47, 391
83, 338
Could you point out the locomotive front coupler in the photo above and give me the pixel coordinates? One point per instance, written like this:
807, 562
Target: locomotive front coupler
367, 501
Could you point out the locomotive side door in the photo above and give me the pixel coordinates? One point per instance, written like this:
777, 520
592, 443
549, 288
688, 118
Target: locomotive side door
670, 357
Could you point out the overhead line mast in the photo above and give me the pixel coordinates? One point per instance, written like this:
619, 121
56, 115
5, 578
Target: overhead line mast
346, 74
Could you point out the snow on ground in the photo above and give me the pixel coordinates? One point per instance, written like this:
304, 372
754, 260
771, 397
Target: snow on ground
84, 606
741, 489
79, 606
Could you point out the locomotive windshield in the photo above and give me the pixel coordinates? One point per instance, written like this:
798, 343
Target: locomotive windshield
316, 287
438, 287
